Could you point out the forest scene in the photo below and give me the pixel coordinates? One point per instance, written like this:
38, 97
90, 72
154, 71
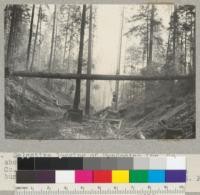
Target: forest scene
95, 71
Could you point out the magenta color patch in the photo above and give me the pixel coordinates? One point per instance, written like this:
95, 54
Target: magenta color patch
83, 176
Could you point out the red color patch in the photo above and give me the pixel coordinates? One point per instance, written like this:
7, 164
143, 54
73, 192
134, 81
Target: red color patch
101, 176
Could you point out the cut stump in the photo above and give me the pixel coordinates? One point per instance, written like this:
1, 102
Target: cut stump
76, 115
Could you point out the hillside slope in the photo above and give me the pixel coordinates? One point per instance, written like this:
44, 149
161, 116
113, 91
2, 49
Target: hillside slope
39, 108
41, 114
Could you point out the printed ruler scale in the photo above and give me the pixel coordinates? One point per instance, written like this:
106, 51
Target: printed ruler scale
175, 174
177, 189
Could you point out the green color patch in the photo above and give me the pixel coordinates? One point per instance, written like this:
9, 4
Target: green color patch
138, 176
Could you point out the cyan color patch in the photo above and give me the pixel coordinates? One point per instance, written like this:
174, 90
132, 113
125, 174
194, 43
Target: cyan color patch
156, 176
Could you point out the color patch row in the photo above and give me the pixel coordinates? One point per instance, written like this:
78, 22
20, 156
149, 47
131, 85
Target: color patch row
73, 163
102, 176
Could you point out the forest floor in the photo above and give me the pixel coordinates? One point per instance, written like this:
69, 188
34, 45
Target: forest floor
41, 115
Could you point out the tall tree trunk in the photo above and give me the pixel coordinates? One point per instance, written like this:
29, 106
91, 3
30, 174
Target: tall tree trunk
6, 18
191, 37
28, 49
55, 46
148, 85
69, 51
194, 44
54, 53
185, 64
36, 36
182, 55
89, 66
68, 58
167, 54
174, 39
103, 97
119, 61
151, 36
143, 56
181, 42
80, 61
52, 46
147, 43
66, 36
124, 72
7, 31
9, 53
40, 33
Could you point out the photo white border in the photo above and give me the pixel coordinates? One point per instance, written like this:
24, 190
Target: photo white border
190, 146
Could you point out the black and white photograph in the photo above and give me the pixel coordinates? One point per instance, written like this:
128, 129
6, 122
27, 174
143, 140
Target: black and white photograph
100, 71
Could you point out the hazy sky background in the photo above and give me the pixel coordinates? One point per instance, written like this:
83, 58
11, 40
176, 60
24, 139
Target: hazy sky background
106, 43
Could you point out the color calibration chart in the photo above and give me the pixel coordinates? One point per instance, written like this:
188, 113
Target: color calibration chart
117, 171
101, 170
84, 174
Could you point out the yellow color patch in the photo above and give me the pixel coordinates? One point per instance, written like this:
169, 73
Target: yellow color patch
120, 176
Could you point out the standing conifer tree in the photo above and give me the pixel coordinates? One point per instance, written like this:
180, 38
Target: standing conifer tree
80, 61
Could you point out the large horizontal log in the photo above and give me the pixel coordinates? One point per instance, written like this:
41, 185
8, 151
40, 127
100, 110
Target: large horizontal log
98, 76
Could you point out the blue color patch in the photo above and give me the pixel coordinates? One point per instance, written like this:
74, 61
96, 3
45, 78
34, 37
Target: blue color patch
156, 176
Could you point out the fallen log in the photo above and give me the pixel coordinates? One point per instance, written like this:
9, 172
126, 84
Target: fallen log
98, 76
165, 127
173, 112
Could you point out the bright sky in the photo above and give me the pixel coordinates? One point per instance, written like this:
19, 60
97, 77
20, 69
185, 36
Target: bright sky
107, 38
